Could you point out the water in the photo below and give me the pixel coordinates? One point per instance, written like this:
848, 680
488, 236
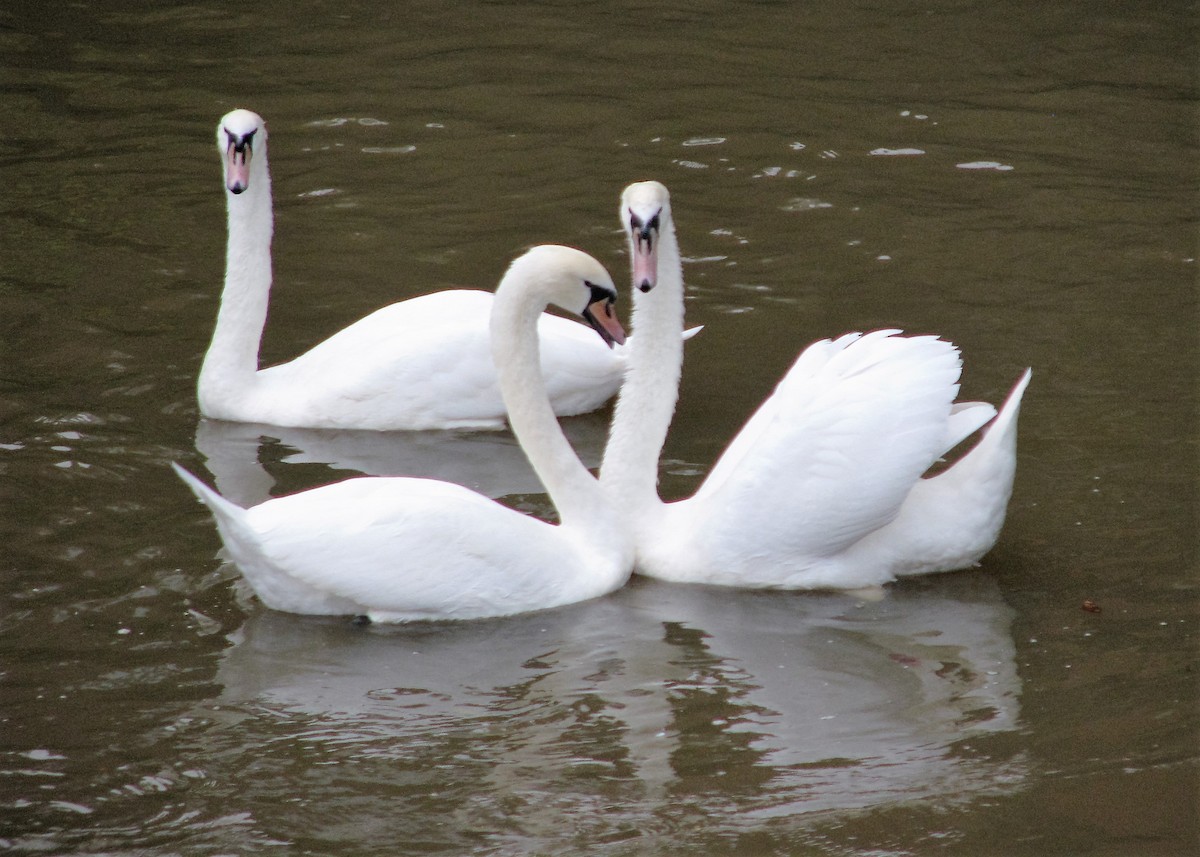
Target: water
1017, 177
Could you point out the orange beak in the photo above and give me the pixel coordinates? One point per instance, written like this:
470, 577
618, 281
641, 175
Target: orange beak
603, 318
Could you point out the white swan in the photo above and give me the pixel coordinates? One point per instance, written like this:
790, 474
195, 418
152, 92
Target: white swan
422, 363
401, 548
822, 488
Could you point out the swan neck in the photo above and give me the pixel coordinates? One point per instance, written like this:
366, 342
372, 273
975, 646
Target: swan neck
515, 349
232, 358
651, 388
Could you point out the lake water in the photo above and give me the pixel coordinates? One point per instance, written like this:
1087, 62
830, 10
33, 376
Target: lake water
1018, 177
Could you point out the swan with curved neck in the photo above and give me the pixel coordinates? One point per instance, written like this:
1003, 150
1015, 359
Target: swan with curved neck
823, 487
400, 549
422, 363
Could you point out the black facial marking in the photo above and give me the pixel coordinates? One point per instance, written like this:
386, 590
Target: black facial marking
644, 232
600, 293
608, 297
243, 145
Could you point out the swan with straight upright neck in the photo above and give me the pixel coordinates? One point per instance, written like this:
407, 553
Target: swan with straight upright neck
823, 487
400, 549
422, 363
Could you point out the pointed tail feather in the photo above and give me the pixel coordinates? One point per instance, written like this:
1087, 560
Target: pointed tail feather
1012, 405
224, 511
951, 520
1003, 429
251, 553
240, 540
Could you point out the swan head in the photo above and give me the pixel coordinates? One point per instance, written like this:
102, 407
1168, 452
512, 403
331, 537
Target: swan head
644, 207
239, 133
571, 280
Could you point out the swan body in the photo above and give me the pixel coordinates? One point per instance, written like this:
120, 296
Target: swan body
423, 363
822, 488
402, 548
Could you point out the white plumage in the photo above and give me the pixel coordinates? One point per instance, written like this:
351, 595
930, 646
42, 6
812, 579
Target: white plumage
399, 548
822, 488
423, 363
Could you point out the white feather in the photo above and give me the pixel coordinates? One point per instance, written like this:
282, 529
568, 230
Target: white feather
400, 548
423, 363
822, 488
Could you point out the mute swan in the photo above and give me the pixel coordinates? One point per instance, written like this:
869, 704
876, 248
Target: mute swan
422, 363
822, 488
402, 548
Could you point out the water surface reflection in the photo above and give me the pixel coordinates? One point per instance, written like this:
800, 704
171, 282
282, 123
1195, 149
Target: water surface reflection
490, 462
655, 704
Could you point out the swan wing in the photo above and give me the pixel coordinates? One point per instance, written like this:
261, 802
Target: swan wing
406, 549
832, 453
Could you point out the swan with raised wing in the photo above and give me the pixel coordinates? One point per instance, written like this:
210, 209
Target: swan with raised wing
399, 548
823, 486
422, 363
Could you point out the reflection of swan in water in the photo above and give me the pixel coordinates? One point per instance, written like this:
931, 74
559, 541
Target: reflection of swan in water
773, 704
491, 463
850, 703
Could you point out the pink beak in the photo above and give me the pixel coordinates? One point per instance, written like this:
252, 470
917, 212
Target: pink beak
237, 168
645, 258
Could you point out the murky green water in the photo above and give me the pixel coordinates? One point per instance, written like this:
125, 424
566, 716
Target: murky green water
1044, 216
